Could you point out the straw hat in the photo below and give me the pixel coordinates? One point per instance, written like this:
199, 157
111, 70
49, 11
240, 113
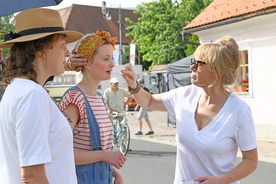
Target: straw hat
37, 23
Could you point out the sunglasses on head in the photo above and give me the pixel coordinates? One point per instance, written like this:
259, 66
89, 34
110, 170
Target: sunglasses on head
197, 62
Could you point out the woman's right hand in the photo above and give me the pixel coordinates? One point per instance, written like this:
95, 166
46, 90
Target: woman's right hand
129, 75
76, 62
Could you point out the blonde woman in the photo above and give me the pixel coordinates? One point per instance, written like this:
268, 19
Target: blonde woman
98, 49
212, 123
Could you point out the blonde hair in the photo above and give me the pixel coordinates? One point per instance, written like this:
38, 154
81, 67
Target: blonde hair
224, 58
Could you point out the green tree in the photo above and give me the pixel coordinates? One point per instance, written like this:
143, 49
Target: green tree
191, 9
158, 30
6, 25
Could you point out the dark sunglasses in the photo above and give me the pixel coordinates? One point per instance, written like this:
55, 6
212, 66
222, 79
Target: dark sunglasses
197, 62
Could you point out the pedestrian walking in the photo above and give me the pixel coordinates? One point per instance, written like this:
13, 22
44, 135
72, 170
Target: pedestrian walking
143, 113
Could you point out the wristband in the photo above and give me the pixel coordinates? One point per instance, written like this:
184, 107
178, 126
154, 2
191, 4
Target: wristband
135, 90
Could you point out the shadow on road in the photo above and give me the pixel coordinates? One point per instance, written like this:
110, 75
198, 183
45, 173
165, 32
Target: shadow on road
143, 153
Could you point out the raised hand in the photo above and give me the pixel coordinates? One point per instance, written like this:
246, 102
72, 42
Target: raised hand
129, 75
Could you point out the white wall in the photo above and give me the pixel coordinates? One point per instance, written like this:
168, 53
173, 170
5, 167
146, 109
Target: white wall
258, 36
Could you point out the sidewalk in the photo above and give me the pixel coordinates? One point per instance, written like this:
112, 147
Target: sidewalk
166, 134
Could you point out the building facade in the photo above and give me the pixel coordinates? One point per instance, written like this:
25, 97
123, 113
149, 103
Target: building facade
252, 23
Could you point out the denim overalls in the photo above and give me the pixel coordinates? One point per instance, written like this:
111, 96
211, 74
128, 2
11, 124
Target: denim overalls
99, 172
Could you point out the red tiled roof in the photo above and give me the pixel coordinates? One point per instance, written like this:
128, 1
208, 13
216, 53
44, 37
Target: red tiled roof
87, 19
220, 10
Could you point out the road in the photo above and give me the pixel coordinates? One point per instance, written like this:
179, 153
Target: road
154, 163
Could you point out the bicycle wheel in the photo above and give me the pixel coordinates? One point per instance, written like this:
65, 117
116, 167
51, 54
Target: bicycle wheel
124, 139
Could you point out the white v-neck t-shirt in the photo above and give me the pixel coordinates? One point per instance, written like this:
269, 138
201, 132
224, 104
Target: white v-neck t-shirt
212, 150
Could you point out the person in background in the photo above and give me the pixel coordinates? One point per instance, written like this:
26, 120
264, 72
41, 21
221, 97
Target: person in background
143, 113
98, 49
36, 142
211, 121
114, 98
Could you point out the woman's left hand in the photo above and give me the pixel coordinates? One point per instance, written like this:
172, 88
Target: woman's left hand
209, 180
115, 158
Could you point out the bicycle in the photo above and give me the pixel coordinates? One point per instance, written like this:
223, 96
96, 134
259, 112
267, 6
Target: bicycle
121, 132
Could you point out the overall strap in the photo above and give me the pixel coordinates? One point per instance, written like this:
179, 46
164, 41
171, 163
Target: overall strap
93, 125
102, 98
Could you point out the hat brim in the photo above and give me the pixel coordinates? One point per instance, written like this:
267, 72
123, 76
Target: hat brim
71, 36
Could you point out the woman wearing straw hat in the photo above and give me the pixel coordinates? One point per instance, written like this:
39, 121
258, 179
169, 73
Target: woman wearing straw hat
98, 49
36, 142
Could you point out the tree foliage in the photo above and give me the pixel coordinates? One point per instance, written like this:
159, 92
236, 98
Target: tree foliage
6, 25
158, 30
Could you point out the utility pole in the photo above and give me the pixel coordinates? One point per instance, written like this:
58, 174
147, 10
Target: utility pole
107, 15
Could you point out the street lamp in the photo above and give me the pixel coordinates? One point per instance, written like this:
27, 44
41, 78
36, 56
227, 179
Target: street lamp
107, 15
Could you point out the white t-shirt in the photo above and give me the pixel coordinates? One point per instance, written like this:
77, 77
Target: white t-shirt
212, 150
34, 131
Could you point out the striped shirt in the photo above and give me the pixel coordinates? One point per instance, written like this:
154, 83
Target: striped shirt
81, 132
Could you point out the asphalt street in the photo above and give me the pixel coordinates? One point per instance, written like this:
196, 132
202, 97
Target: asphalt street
154, 163
149, 163
152, 159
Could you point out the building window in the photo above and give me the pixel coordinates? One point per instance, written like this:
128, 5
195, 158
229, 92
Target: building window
242, 84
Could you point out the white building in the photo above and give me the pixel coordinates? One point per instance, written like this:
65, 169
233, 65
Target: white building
252, 23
